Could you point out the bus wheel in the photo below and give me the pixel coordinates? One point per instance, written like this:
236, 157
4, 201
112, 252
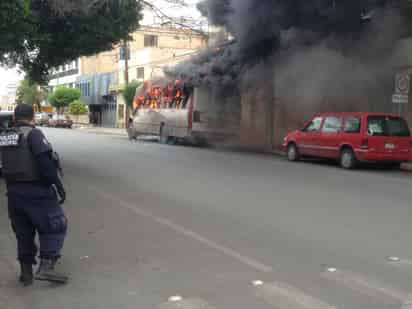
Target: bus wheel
163, 138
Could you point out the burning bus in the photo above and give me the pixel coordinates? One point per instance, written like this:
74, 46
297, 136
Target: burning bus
179, 112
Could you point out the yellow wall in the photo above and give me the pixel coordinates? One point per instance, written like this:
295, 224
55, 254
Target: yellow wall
174, 46
105, 62
168, 38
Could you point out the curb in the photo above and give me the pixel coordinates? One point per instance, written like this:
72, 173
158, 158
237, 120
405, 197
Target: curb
404, 167
101, 132
105, 133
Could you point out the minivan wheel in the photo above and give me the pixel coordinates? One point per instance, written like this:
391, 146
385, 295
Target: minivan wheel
347, 159
293, 153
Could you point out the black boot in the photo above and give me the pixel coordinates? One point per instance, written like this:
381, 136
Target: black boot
26, 274
46, 272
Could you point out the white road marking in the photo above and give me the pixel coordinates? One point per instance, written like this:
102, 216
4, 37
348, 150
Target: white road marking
257, 283
393, 259
248, 261
363, 285
283, 296
190, 303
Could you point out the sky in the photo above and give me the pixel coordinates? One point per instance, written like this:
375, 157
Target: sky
172, 10
11, 75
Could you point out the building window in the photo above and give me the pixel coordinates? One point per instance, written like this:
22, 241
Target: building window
122, 53
140, 73
150, 40
84, 89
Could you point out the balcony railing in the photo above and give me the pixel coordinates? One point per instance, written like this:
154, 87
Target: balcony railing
65, 73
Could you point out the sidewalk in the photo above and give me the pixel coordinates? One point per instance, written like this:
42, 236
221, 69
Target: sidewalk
103, 131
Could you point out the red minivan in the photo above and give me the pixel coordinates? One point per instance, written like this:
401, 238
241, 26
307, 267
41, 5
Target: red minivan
352, 138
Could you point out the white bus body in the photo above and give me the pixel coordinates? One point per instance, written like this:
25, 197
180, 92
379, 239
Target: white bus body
207, 117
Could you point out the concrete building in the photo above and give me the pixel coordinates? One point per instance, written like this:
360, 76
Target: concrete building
92, 75
65, 74
105, 62
151, 50
96, 76
95, 93
8, 100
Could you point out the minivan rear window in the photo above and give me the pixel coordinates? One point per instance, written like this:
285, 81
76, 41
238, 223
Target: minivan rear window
388, 126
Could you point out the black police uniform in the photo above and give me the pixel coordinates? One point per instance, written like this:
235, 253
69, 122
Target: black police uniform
32, 178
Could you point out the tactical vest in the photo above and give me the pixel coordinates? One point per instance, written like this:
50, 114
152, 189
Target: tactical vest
19, 164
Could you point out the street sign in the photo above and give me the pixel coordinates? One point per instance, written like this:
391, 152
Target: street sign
400, 99
402, 83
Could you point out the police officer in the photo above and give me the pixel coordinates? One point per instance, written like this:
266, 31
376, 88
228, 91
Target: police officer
35, 194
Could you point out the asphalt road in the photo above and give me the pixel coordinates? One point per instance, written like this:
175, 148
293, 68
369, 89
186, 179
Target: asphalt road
220, 230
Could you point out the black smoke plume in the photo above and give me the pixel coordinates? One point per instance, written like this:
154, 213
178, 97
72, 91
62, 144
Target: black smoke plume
307, 41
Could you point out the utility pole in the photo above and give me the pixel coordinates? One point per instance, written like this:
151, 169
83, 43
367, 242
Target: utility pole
126, 79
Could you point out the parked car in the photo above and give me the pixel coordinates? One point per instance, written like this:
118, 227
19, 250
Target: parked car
42, 119
60, 121
352, 138
6, 119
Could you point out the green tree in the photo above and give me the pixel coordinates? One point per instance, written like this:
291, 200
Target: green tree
129, 93
78, 108
63, 96
31, 93
14, 27
41, 34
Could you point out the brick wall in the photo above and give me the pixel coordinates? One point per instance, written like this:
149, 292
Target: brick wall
260, 132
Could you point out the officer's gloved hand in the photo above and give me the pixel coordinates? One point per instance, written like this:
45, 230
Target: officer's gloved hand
61, 193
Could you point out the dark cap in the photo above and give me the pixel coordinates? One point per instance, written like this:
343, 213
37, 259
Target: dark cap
23, 112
